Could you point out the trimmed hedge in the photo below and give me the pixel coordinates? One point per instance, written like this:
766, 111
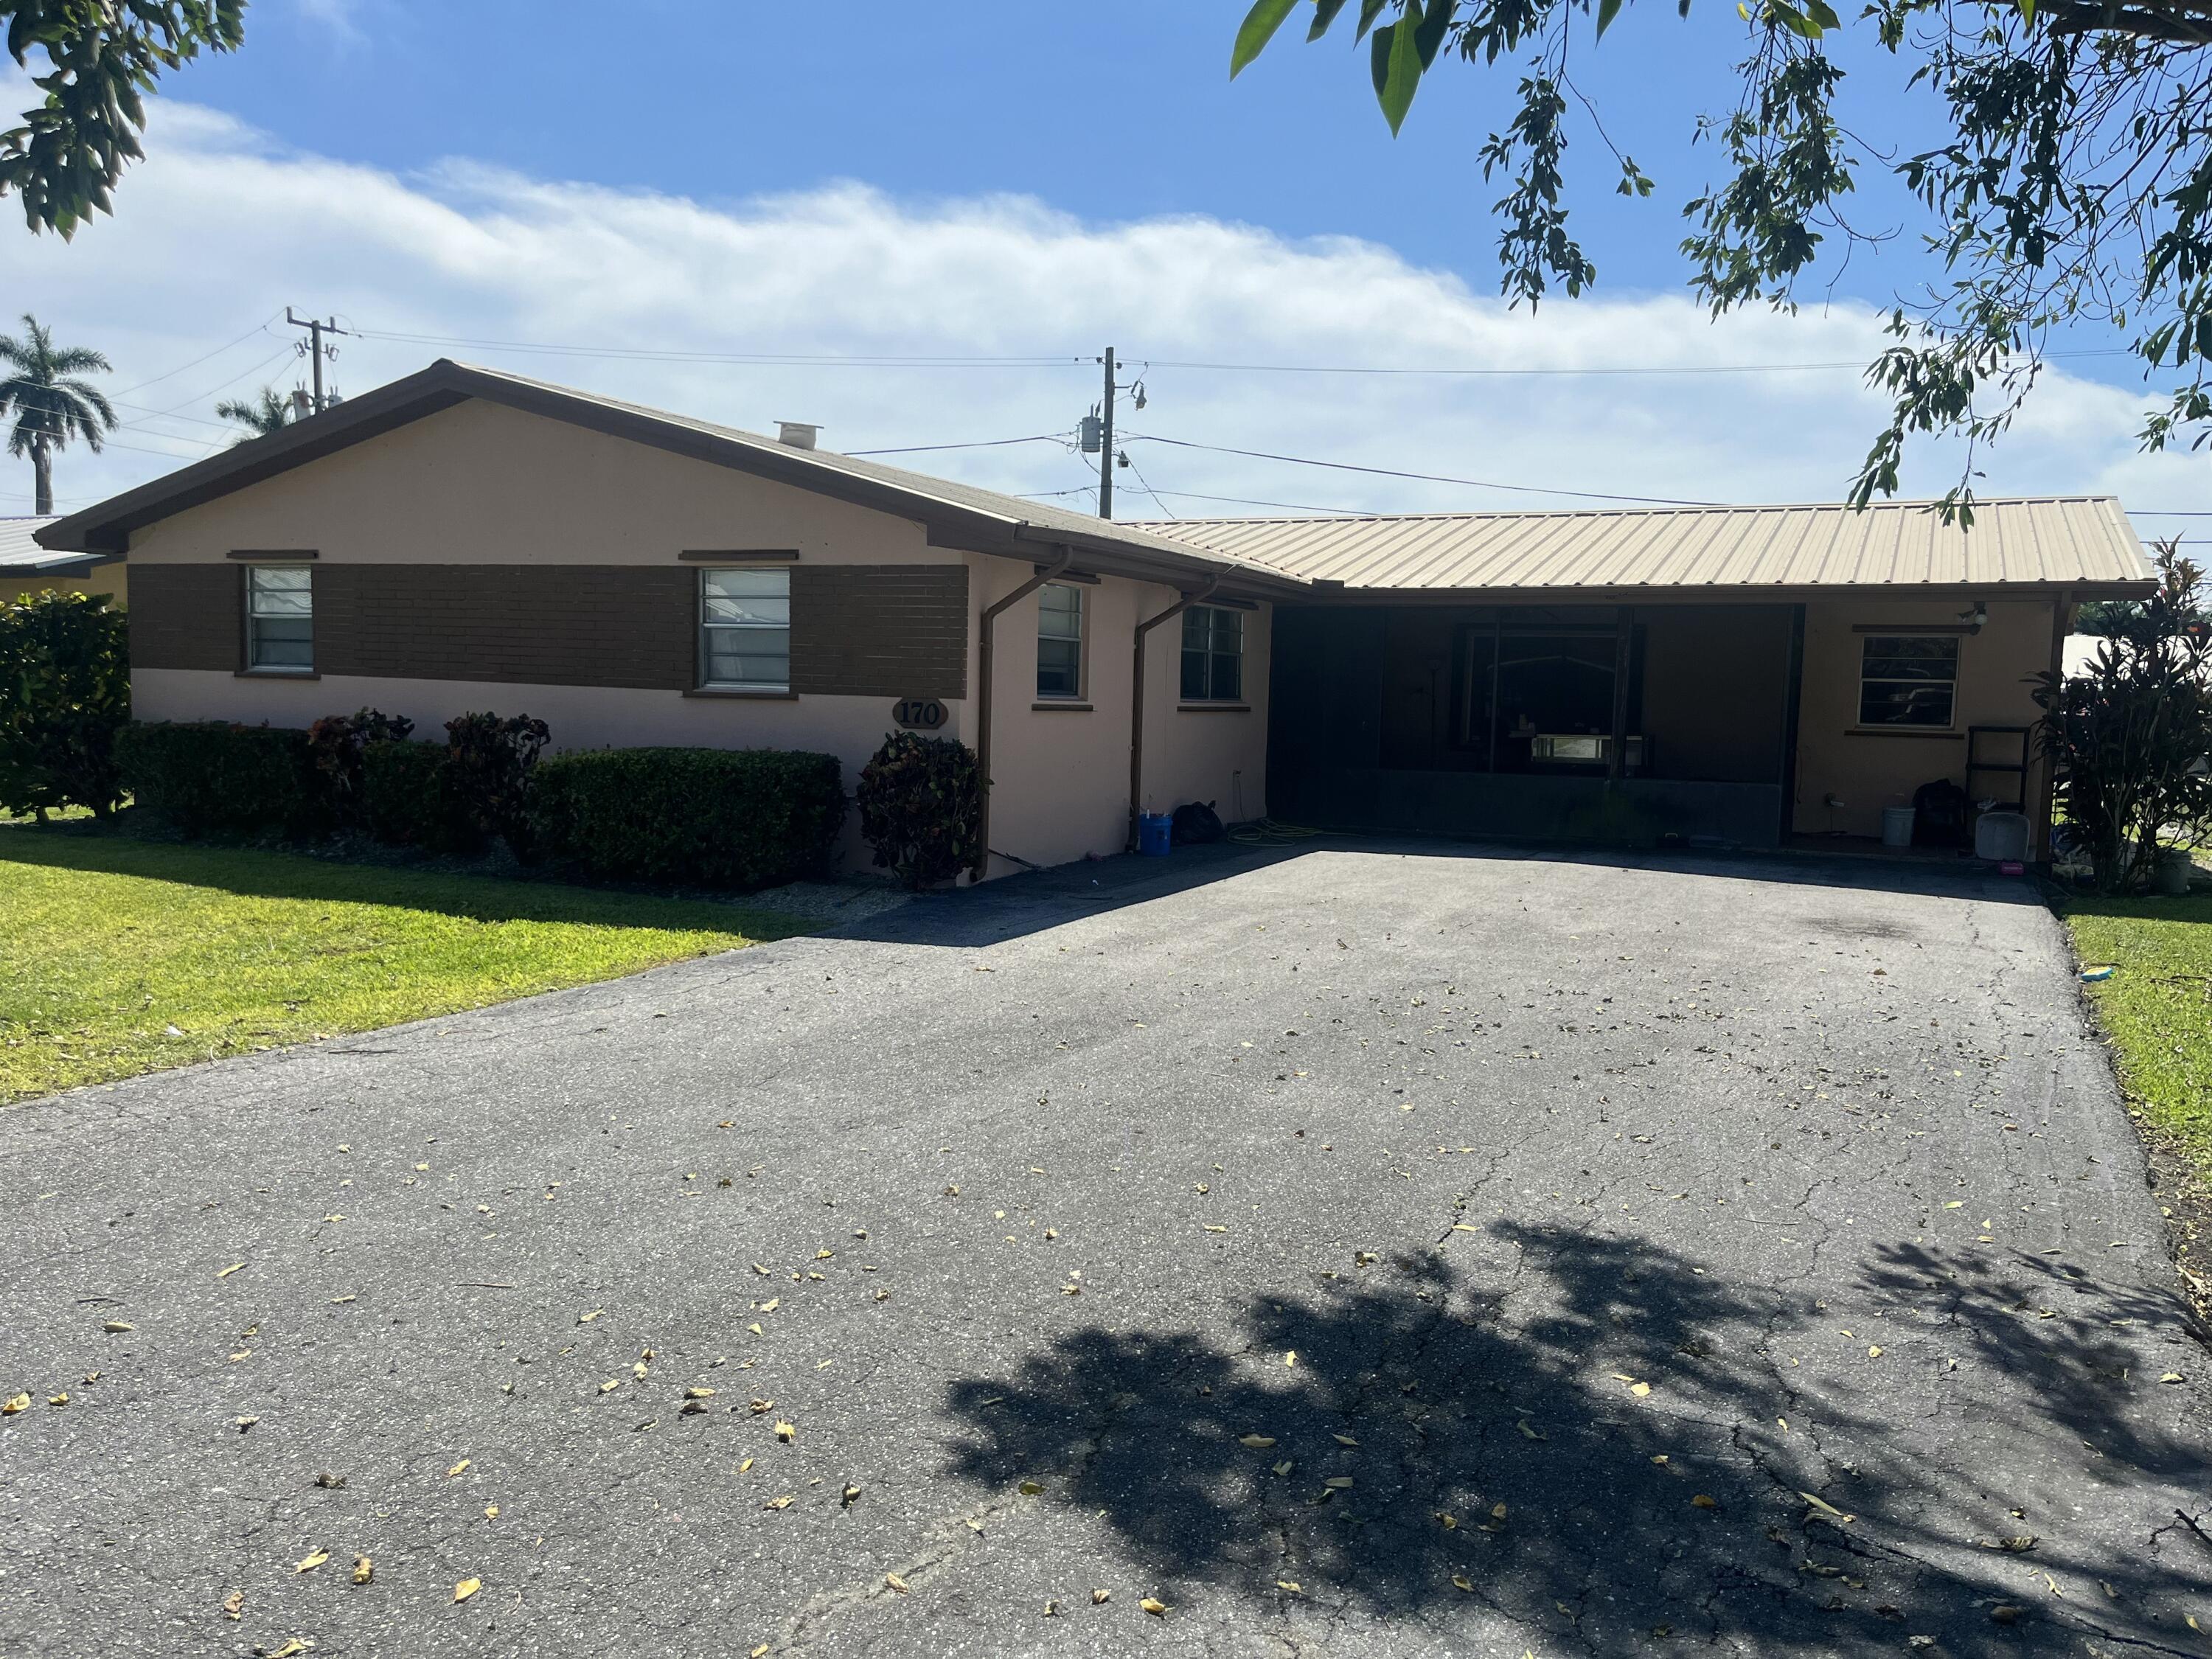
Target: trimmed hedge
407, 797
722, 817
212, 777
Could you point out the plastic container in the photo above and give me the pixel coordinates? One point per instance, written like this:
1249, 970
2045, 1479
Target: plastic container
2001, 837
1897, 826
1155, 834
2169, 876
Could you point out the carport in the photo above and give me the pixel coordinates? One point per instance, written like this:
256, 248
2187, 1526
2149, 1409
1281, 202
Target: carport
1723, 677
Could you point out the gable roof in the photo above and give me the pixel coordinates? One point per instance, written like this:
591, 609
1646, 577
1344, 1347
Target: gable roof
955, 516
2030, 545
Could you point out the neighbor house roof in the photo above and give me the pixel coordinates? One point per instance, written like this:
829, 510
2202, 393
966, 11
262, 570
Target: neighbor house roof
21, 556
955, 516
2081, 543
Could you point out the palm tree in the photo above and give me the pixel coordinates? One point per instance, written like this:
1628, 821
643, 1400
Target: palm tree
268, 413
50, 402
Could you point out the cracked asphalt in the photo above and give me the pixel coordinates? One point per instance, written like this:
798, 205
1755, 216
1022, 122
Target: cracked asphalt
1370, 1249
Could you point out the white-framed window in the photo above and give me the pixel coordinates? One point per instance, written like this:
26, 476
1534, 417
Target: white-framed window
1212, 654
1059, 640
744, 629
280, 618
1908, 679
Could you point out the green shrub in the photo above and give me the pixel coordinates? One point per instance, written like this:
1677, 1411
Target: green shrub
210, 777
721, 817
489, 766
336, 743
922, 807
405, 798
64, 693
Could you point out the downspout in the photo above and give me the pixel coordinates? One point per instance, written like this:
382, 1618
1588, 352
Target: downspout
985, 668
2040, 803
1137, 699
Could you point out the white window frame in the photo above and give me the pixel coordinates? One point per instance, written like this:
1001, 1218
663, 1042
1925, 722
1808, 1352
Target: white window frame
1081, 639
708, 630
253, 618
1210, 651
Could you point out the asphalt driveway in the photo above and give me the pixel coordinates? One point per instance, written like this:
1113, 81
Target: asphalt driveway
1365, 1251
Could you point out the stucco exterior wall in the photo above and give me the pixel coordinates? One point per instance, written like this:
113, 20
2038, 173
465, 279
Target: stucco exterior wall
1870, 769
482, 484
1060, 773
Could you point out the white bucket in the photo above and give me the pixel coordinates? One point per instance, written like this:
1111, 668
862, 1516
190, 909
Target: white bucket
2002, 837
1897, 826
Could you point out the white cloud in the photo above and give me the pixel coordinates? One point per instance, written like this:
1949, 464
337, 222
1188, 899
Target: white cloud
223, 228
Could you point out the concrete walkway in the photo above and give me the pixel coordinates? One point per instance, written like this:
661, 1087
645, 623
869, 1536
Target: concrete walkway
1389, 1250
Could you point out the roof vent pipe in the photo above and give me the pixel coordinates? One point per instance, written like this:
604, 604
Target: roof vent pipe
799, 435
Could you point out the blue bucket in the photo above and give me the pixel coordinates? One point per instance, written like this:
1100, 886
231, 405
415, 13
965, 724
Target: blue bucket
1155, 834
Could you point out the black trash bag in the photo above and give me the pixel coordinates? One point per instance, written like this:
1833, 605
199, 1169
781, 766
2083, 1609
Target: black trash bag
1939, 814
1197, 824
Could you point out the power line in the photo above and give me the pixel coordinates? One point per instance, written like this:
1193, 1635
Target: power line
1247, 501
983, 443
1053, 359
262, 329
1487, 371
813, 359
1424, 477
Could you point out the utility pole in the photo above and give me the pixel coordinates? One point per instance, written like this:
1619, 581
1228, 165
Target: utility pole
1106, 444
315, 349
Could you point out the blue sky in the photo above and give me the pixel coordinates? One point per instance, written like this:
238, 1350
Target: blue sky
724, 178
1119, 110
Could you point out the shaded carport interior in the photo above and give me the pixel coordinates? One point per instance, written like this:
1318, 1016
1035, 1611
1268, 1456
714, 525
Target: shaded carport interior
1402, 718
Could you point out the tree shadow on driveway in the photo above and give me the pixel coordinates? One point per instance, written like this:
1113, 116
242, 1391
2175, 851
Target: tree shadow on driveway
1394, 1444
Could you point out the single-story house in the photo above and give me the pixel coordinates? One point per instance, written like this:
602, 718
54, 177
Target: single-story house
464, 539
27, 569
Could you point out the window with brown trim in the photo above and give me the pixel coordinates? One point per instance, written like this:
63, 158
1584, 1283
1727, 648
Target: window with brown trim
744, 629
1060, 641
280, 618
1908, 679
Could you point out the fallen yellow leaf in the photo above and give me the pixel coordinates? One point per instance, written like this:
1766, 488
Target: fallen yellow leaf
1256, 1441
312, 1561
363, 1569
896, 1582
1154, 1605
21, 1403
467, 1588
1701, 1501
457, 1468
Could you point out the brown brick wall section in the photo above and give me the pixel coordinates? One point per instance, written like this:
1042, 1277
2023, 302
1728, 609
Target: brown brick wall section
856, 630
611, 625
879, 630
187, 616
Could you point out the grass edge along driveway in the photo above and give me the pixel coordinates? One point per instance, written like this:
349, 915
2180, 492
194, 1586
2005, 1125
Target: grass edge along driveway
2156, 1008
120, 956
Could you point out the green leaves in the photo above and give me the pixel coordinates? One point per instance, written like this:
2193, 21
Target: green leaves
1258, 28
1396, 57
65, 158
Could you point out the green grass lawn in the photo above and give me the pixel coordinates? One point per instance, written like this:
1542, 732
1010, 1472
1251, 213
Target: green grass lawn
2157, 1008
106, 943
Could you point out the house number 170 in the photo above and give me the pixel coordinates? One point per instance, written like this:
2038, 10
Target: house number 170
918, 714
